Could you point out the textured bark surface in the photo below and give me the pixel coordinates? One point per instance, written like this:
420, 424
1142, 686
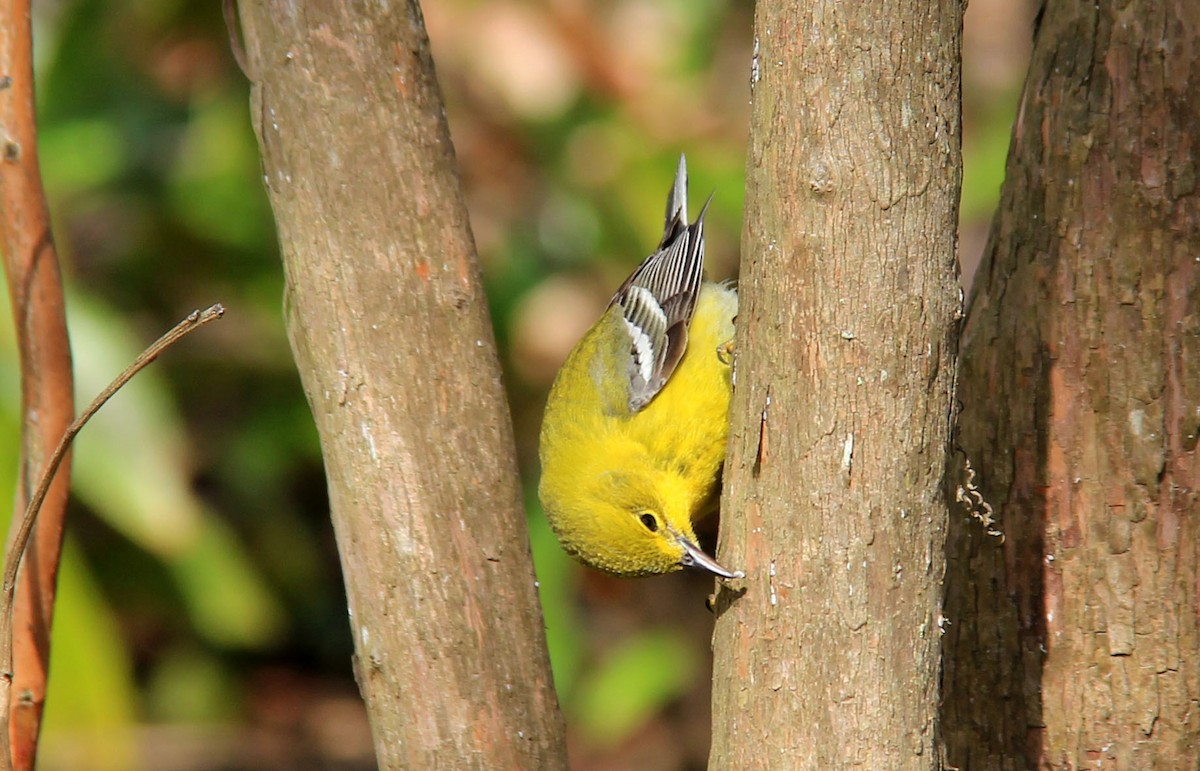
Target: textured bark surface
47, 388
1073, 642
390, 330
834, 500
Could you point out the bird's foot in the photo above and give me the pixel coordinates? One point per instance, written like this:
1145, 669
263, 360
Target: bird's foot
725, 353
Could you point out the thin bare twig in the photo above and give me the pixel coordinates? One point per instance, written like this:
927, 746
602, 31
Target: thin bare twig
16, 549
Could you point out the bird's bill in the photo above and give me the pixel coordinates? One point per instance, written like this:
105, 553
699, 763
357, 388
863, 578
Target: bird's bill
694, 557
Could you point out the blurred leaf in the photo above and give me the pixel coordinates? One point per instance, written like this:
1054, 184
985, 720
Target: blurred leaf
90, 703
189, 684
130, 466
557, 588
80, 154
131, 462
228, 600
215, 189
985, 153
632, 684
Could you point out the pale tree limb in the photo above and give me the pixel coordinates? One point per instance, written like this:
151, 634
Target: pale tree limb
390, 329
826, 655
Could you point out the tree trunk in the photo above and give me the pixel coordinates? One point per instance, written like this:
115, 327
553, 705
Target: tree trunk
1074, 641
391, 334
834, 500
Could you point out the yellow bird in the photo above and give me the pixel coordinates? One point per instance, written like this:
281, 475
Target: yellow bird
634, 432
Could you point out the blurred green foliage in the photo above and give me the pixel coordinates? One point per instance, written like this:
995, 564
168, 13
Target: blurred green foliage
636, 680
200, 584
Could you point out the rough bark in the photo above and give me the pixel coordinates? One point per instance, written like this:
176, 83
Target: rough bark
47, 387
391, 335
834, 500
1073, 641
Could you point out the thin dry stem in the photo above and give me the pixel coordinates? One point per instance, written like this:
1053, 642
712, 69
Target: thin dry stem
16, 548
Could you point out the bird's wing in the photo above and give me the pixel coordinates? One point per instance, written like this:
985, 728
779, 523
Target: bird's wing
658, 299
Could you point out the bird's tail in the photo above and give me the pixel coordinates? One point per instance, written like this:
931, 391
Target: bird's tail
677, 211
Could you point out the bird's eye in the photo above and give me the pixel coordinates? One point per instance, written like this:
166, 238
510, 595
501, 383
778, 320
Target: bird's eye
650, 521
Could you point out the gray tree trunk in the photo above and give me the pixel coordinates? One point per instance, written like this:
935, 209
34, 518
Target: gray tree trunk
834, 499
391, 334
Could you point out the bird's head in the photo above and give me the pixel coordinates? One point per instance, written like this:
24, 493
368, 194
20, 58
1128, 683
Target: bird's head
631, 523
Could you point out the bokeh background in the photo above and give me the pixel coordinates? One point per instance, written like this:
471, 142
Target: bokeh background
201, 620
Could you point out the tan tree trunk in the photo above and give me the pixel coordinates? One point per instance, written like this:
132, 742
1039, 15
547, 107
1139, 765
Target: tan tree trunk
1074, 641
391, 334
834, 500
